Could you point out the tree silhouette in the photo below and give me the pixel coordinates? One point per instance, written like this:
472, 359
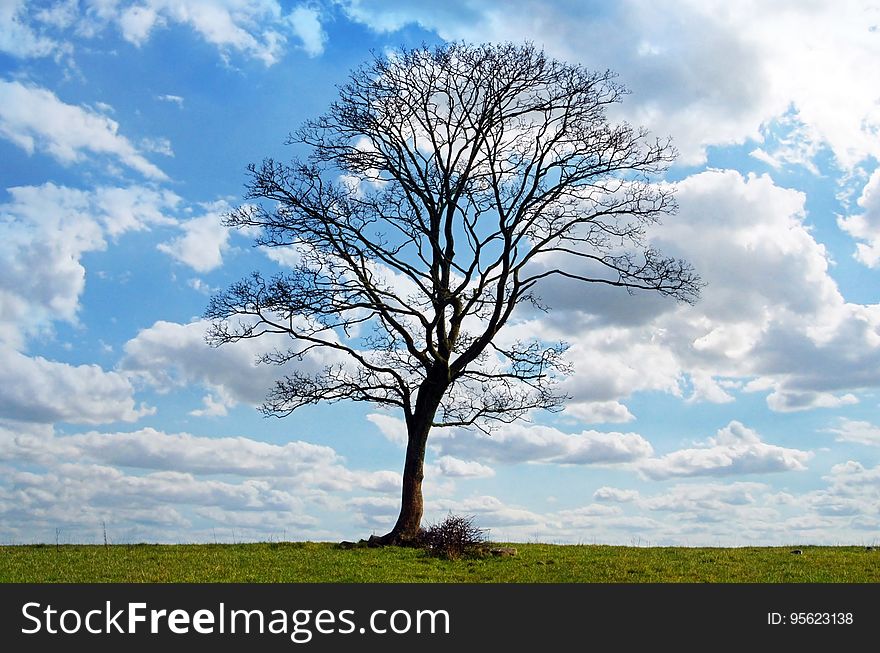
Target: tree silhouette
441, 188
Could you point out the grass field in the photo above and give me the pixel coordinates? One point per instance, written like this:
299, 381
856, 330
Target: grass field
535, 563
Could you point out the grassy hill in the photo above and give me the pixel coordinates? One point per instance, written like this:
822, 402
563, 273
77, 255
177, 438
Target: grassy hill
309, 562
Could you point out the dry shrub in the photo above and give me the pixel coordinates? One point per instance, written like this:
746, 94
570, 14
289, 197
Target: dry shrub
453, 538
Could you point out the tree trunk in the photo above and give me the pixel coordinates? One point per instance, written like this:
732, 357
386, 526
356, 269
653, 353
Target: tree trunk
406, 530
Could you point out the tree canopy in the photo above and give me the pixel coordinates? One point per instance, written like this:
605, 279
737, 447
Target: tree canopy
441, 189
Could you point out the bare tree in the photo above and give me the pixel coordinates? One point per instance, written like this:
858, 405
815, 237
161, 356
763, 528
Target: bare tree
441, 188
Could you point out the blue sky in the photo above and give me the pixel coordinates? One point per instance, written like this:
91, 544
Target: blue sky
750, 418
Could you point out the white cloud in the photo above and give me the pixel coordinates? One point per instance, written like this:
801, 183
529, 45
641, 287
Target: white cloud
706, 72
488, 511
172, 99
456, 468
797, 144
770, 314
786, 401
735, 449
750, 219
707, 388
732, 513
599, 412
697, 499
184, 481
375, 512
393, 428
157, 145
258, 29
865, 226
137, 22
287, 256
39, 390
61, 14
201, 287
521, 443
585, 517
75, 493
169, 355
207, 485
517, 443
203, 242
306, 25
853, 477
44, 233
615, 495
19, 38
776, 324
861, 432
288, 523
212, 407
181, 452
34, 119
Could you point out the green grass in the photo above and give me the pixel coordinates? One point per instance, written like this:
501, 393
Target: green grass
308, 562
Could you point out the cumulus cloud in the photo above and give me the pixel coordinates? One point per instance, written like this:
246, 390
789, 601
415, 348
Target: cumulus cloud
489, 511
393, 428
786, 401
615, 495
517, 443
137, 22
705, 498
706, 72
852, 479
811, 365
18, 37
375, 512
306, 25
457, 468
770, 310
611, 363
308, 467
212, 407
39, 390
734, 513
44, 233
865, 226
523, 443
34, 119
748, 219
289, 524
771, 319
91, 493
460, 450
735, 449
203, 242
858, 431
169, 355
175, 452
852, 497
599, 412
257, 29
205, 485
81, 479
586, 516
